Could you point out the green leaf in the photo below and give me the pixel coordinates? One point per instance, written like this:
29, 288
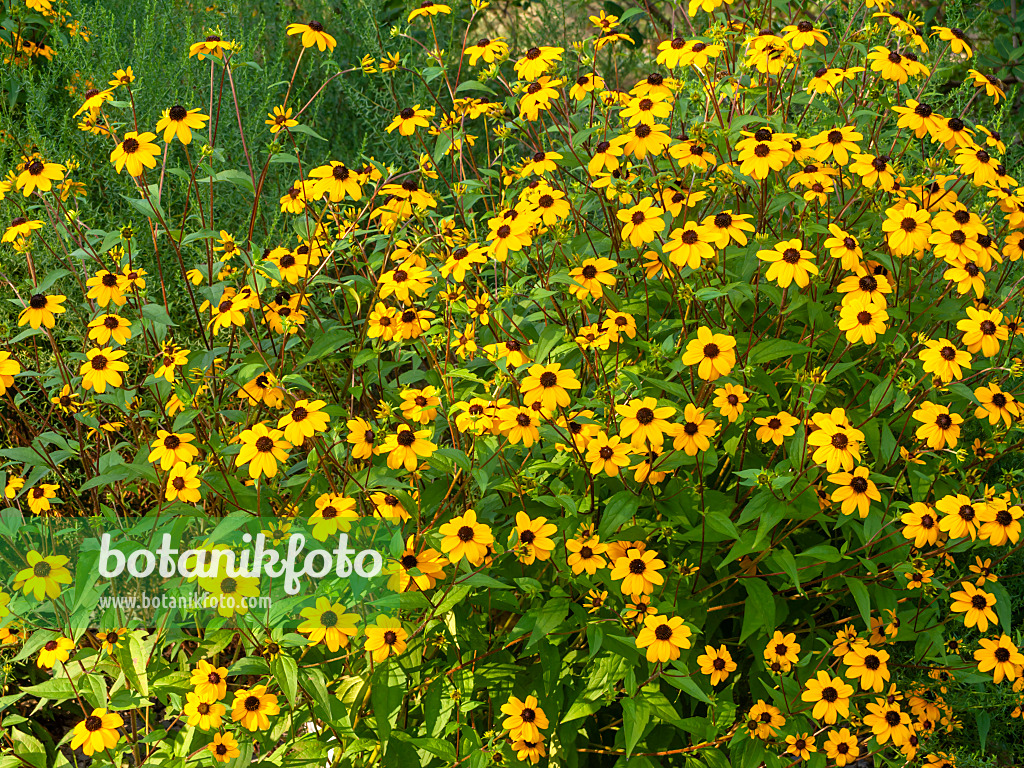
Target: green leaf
28, 748
785, 562
861, 597
617, 510
286, 671
984, 721
1003, 605
55, 689
759, 608
636, 713
773, 349
549, 337
132, 659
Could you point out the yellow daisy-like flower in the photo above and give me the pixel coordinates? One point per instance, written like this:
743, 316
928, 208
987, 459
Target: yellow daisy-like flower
313, 34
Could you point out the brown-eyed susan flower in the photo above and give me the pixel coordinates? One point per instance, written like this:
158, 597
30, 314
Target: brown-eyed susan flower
874, 170
663, 637
212, 45
585, 554
416, 568
531, 538
591, 277
890, 65
332, 513
409, 119
387, 637
907, 229
41, 309
210, 682
644, 421
487, 49
642, 222
280, 119
983, 330
760, 156
531, 751
956, 38
939, 427
183, 484
20, 227
869, 665
466, 537
991, 85
223, 747
548, 385
717, 663
888, 721
43, 576
179, 122
9, 368
729, 400
837, 143
53, 651
537, 61
695, 431
727, 227
313, 34
790, 262
106, 287
253, 708
774, 429
170, 448
984, 570
420, 405
103, 367
803, 34
406, 447
638, 571
14, 484
520, 424
107, 327
714, 354
305, 419
263, 389
1000, 657
800, 745
842, 746
110, 640
618, 325
1000, 523
524, 719
856, 491
960, 515
362, 437
607, 454
862, 320
975, 604
37, 175
40, 496
782, 650
994, 404
97, 732
836, 443
262, 449
327, 623
200, 714
830, 696
136, 152
764, 720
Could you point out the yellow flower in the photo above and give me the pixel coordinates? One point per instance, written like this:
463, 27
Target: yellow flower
136, 152
253, 708
313, 34
385, 639
179, 122
98, 732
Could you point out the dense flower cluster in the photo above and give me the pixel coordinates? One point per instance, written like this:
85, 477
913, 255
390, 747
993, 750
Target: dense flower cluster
656, 389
